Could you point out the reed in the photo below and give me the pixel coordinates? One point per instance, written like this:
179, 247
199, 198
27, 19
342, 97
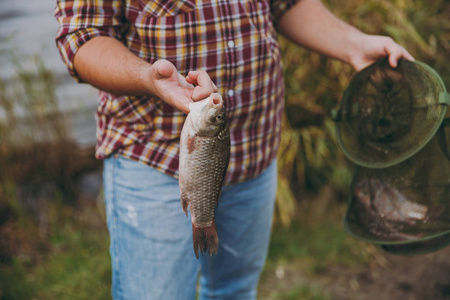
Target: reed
39, 161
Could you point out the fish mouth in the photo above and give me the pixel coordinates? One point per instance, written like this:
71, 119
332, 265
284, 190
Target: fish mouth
216, 100
205, 108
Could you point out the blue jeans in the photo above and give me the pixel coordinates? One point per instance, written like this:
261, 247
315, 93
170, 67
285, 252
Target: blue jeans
151, 238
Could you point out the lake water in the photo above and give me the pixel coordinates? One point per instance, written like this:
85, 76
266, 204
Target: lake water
27, 29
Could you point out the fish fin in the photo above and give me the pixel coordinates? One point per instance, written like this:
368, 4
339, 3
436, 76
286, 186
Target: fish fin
205, 239
184, 204
191, 143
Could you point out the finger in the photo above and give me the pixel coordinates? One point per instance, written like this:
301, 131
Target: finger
398, 53
179, 101
408, 56
393, 59
163, 68
201, 78
183, 82
201, 93
192, 77
204, 85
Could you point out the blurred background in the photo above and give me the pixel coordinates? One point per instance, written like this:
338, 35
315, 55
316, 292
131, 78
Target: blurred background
53, 238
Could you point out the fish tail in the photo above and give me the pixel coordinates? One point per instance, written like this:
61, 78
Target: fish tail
205, 238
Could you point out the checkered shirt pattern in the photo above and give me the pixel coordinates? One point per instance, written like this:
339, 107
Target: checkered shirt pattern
235, 42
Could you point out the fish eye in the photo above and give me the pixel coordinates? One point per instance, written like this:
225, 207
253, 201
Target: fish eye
219, 117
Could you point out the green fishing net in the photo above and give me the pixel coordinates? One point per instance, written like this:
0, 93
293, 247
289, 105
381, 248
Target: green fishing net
392, 125
387, 115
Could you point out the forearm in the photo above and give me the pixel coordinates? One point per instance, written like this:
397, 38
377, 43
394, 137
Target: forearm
311, 25
108, 65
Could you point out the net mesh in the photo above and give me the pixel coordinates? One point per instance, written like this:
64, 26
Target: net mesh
405, 207
386, 115
391, 125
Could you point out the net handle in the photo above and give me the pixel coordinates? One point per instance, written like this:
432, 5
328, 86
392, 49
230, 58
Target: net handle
444, 98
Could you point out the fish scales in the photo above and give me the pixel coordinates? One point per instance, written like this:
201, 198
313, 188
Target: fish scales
208, 179
204, 153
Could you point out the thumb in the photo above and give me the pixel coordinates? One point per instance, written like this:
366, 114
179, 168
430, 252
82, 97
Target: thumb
163, 68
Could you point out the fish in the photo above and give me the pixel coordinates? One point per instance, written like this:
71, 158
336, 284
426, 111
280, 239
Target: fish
387, 212
204, 156
389, 202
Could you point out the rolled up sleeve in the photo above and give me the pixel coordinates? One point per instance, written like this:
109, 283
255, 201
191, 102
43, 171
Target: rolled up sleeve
79, 21
279, 7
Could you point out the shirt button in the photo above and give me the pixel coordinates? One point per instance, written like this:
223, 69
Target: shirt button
230, 93
231, 44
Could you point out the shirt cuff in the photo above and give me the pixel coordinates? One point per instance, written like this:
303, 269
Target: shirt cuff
69, 44
279, 7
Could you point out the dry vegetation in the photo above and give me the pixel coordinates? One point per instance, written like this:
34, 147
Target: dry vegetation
54, 245
309, 157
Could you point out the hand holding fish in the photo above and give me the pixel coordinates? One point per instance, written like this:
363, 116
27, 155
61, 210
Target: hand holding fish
178, 91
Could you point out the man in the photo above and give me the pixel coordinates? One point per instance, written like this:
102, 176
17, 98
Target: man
150, 59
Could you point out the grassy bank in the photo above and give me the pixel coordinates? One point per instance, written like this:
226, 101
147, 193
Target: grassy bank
75, 264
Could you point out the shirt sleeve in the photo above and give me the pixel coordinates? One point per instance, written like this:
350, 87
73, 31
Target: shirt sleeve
79, 21
279, 7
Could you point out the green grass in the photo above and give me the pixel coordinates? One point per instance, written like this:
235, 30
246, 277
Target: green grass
301, 253
77, 263
77, 266
317, 234
302, 292
322, 242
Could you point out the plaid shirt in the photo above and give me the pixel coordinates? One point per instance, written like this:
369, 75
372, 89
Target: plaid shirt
235, 42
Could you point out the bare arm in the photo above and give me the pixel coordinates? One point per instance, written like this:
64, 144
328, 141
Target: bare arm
107, 64
310, 24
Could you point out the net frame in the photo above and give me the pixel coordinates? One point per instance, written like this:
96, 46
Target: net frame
443, 99
420, 245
